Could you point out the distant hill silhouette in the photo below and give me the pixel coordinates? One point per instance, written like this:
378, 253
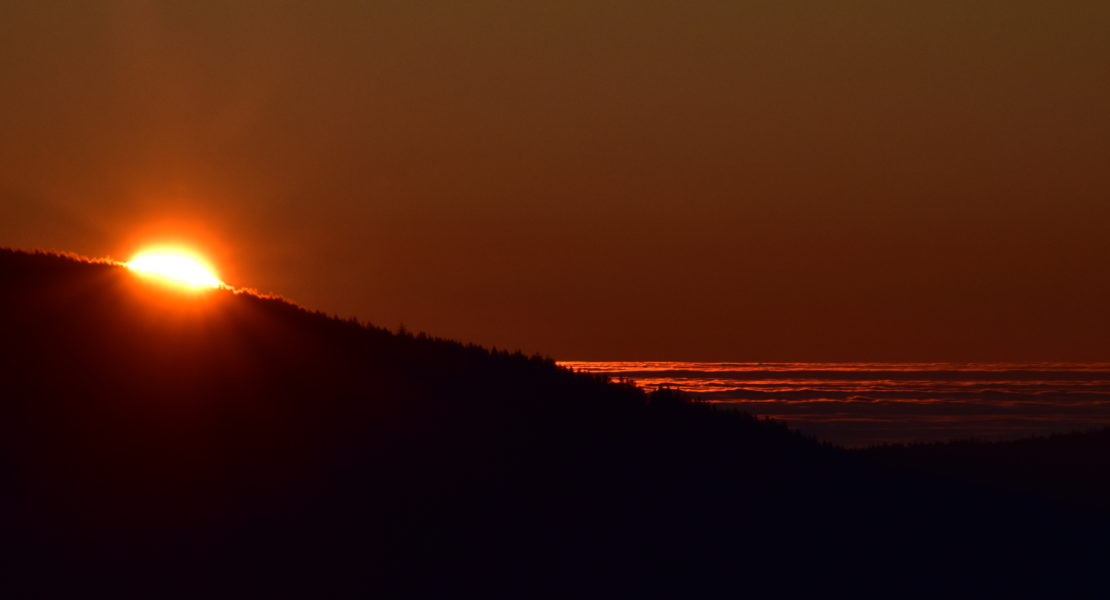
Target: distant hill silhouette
160, 443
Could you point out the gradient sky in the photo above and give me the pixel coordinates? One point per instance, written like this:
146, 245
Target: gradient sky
713, 180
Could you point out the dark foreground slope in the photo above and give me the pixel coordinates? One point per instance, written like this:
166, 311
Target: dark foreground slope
160, 443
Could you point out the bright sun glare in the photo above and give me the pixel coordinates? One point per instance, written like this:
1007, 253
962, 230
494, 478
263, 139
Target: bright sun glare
175, 266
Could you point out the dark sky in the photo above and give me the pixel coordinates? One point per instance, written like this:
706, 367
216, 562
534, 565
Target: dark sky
717, 180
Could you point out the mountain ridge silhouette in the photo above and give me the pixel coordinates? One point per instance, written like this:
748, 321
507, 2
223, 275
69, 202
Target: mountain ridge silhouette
167, 443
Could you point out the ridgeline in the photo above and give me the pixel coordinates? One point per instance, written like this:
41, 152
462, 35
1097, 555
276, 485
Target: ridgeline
163, 443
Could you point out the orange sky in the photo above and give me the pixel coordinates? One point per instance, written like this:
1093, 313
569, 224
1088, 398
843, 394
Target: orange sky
786, 180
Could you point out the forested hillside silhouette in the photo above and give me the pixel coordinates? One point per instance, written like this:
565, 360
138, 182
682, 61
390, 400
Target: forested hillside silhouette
1069, 468
157, 442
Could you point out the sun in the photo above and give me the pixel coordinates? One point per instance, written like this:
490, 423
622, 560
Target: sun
179, 267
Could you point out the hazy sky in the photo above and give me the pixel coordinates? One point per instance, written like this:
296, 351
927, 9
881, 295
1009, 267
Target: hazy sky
732, 180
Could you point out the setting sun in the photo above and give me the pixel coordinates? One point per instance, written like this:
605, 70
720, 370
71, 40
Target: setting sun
175, 266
